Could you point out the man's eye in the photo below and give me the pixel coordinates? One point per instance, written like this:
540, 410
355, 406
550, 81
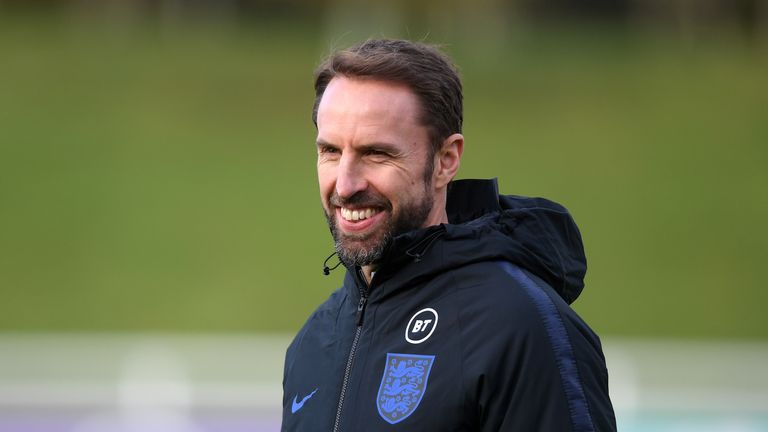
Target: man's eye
328, 150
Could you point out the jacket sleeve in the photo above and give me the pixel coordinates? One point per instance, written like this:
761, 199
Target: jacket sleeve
537, 365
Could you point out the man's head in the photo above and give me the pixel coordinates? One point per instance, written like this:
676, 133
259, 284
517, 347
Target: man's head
389, 116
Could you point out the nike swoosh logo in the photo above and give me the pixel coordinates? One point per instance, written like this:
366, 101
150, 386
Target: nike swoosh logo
297, 405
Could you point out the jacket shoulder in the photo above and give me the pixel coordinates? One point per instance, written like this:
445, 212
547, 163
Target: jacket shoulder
538, 351
322, 321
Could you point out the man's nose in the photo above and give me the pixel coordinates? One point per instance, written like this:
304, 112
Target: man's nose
350, 177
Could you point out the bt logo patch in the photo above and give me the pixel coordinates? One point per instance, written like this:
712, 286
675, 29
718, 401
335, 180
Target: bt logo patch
421, 326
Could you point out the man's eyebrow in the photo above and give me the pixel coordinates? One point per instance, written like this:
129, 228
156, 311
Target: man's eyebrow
381, 146
378, 145
322, 143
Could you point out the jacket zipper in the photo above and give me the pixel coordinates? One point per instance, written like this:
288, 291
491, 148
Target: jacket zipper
352, 350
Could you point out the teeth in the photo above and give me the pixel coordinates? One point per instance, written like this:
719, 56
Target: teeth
354, 215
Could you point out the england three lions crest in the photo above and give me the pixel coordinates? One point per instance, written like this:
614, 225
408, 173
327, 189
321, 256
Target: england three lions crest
403, 385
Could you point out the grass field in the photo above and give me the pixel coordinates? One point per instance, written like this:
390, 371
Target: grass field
163, 179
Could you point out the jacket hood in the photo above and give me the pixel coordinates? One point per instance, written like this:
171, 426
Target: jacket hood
534, 233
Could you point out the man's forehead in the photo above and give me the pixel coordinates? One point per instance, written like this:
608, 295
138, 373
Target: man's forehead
363, 95
366, 111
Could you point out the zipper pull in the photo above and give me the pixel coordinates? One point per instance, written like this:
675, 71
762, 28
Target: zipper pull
360, 310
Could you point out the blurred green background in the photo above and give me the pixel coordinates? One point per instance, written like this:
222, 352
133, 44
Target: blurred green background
157, 158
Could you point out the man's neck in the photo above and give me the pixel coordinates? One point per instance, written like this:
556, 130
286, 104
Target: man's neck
368, 272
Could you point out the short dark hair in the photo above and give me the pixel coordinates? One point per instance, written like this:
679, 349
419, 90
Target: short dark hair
423, 68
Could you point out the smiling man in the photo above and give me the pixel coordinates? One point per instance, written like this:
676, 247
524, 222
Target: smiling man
376, 168
454, 311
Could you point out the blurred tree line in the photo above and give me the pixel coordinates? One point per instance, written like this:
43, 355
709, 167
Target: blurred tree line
689, 17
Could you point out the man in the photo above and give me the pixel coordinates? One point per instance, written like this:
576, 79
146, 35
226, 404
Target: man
454, 311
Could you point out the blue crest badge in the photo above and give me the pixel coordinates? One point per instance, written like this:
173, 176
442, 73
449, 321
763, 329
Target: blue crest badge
403, 385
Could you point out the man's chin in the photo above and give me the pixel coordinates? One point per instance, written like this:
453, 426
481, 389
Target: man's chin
353, 248
360, 247
360, 251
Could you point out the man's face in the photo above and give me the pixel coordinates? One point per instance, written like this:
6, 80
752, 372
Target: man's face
371, 160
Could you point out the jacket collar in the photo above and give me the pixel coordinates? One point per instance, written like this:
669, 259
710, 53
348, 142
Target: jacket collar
469, 199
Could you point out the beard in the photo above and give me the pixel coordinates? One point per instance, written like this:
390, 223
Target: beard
368, 248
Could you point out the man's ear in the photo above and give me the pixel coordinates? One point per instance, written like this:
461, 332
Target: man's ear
448, 159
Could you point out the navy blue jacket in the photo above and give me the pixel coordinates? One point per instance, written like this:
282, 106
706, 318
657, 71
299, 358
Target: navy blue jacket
464, 327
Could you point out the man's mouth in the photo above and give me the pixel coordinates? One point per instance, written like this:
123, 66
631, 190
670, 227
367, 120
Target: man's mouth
357, 214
